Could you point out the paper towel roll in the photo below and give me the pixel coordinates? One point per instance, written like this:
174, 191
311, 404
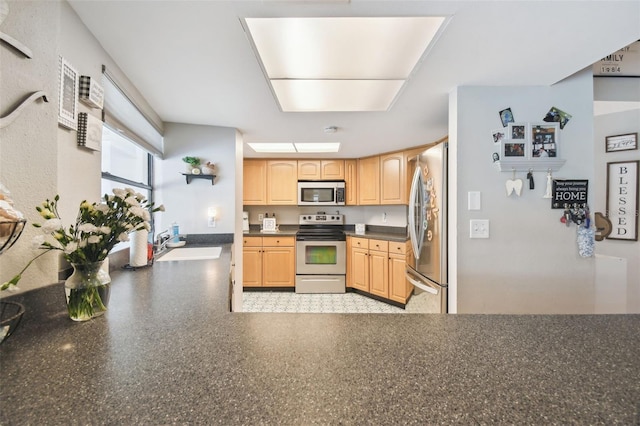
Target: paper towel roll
138, 249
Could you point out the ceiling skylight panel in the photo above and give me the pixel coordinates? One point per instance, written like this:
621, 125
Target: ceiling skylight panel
272, 147
340, 64
313, 147
336, 95
342, 48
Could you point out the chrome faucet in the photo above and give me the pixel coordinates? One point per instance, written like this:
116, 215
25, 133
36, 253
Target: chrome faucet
161, 241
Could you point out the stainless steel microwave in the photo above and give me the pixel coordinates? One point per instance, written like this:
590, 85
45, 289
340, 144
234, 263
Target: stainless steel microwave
326, 193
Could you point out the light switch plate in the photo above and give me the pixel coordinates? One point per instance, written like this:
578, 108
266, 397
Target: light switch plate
479, 228
474, 200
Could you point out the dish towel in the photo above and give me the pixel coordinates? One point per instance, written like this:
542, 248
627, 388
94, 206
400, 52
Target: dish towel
586, 241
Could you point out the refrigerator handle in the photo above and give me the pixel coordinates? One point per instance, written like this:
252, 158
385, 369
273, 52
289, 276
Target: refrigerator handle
416, 188
421, 284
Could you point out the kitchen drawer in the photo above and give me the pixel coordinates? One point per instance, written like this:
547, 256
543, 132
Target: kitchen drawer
279, 241
398, 248
252, 241
359, 242
379, 245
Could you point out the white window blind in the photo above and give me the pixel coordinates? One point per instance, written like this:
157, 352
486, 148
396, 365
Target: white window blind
122, 115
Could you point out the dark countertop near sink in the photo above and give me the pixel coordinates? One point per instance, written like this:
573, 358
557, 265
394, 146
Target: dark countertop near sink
169, 352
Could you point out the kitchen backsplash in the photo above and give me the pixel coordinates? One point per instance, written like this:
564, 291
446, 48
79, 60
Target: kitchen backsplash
395, 216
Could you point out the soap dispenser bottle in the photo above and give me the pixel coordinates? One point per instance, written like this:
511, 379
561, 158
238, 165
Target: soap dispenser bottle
175, 230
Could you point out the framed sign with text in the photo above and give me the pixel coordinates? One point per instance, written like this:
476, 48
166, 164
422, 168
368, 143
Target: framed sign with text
622, 200
621, 142
569, 193
621, 63
68, 95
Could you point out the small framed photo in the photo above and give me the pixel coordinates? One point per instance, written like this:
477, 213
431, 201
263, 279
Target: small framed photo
498, 135
506, 116
511, 149
544, 138
68, 96
517, 131
625, 142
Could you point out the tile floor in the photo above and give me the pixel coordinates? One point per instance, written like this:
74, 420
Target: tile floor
321, 303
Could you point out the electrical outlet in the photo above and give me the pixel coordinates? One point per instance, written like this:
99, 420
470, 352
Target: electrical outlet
212, 222
384, 217
260, 216
479, 228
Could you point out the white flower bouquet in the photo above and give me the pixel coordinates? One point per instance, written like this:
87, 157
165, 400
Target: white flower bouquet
97, 229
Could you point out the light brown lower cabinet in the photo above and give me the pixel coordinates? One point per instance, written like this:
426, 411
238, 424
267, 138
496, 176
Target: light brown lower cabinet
378, 267
268, 262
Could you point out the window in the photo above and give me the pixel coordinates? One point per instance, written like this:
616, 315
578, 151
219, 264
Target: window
124, 164
129, 142
124, 159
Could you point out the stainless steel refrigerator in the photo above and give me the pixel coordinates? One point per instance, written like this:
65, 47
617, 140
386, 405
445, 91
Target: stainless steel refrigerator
428, 227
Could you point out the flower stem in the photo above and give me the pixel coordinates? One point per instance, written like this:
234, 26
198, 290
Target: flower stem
17, 278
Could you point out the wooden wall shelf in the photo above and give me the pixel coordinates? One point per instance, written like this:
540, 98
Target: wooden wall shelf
190, 176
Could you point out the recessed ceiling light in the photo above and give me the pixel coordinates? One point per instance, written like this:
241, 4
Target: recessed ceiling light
319, 57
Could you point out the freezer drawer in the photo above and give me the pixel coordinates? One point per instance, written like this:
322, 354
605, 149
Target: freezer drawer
434, 295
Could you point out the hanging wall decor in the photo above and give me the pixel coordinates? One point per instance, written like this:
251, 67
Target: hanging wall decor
517, 131
569, 193
91, 93
544, 140
506, 116
68, 95
89, 131
621, 142
498, 135
557, 116
622, 199
624, 62
513, 149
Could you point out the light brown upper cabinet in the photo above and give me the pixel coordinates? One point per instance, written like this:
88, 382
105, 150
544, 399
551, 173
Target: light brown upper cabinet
282, 182
320, 169
351, 182
254, 190
393, 178
369, 181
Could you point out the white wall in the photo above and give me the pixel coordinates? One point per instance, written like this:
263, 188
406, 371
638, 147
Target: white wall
29, 146
619, 261
530, 263
188, 204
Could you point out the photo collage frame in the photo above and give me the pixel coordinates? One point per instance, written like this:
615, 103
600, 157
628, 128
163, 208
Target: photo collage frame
527, 141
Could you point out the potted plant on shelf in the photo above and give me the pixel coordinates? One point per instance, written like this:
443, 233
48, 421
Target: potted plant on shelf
193, 163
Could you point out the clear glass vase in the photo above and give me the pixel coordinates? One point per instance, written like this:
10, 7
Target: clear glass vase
87, 291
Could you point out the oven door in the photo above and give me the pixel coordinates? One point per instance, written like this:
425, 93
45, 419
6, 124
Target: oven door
321, 258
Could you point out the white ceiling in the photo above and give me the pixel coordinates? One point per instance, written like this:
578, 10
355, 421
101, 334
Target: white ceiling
194, 64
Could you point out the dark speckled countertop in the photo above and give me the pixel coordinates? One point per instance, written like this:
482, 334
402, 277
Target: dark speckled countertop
169, 352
